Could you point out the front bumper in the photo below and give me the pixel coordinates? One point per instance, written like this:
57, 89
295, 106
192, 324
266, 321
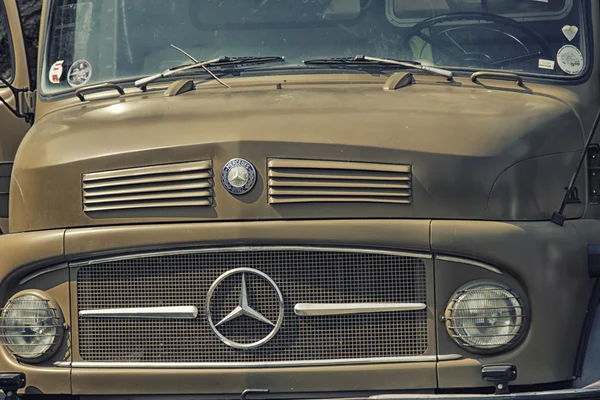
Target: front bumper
548, 262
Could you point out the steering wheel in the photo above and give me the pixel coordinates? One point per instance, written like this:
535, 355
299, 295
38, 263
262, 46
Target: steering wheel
462, 54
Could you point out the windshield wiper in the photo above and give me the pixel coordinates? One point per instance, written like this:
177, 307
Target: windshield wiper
203, 67
366, 61
215, 62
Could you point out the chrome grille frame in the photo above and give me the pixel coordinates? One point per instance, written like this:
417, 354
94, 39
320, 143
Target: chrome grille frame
428, 355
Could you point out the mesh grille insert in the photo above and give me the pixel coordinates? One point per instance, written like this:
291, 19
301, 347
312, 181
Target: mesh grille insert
303, 276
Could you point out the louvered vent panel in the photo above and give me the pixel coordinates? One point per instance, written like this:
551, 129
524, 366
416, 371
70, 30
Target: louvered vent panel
162, 186
308, 181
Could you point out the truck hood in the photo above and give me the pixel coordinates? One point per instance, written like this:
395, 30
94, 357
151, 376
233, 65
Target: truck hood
474, 153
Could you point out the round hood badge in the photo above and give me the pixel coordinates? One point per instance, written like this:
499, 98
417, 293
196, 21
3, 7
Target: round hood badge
238, 176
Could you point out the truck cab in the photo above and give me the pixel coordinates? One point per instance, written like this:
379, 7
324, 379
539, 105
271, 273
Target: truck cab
277, 199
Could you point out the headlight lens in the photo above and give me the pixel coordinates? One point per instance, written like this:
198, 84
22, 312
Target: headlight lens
485, 317
31, 325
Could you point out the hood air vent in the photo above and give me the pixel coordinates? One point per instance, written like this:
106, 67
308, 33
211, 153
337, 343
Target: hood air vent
308, 181
161, 186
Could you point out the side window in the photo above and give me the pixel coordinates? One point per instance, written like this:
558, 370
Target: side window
6, 54
31, 12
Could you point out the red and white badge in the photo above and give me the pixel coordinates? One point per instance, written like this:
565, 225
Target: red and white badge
56, 72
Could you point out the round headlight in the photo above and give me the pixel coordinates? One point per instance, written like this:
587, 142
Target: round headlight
485, 317
31, 326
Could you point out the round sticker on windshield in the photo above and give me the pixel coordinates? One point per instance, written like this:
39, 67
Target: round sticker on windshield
570, 59
80, 73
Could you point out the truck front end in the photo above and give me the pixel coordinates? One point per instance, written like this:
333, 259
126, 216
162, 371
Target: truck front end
348, 199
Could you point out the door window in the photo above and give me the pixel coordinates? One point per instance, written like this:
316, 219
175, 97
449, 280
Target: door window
6, 54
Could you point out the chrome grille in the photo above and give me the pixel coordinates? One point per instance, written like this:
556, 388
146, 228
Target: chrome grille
303, 276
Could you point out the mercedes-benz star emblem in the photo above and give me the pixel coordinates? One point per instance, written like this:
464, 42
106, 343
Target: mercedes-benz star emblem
238, 176
227, 321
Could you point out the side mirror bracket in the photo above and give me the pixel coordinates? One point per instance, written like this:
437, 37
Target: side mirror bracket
24, 101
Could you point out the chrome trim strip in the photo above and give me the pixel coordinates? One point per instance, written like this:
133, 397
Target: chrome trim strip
194, 365
251, 248
469, 262
185, 312
312, 309
40, 272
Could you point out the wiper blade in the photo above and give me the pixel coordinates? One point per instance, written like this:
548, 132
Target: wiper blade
366, 60
223, 61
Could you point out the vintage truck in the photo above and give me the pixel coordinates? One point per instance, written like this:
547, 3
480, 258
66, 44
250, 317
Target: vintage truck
284, 199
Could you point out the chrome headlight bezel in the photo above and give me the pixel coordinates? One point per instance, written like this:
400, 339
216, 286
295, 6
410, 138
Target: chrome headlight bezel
521, 317
55, 320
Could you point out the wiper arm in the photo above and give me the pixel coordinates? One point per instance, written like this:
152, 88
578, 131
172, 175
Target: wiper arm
208, 71
437, 71
144, 82
215, 62
365, 60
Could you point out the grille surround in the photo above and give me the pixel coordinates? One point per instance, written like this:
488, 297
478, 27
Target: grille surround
201, 345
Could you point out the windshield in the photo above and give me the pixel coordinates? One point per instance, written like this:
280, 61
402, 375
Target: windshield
93, 41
